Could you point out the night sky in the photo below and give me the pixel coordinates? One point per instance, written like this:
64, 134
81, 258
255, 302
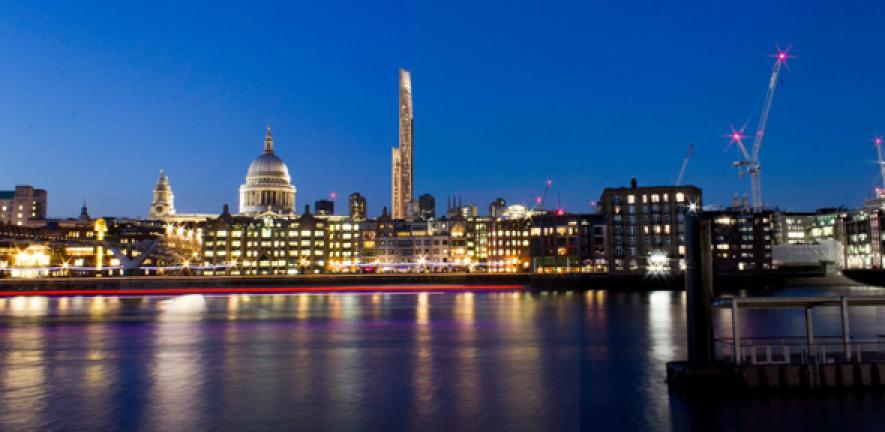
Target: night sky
95, 98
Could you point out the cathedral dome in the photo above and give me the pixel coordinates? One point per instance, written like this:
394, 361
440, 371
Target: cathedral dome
268, 186
268, 168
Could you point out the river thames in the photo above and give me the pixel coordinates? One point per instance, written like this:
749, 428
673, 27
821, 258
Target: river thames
590, 360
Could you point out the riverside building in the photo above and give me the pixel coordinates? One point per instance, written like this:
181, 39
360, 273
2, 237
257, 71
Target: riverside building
420, 246
508, 240
23, 206
742, 239
567, 243
266, 245
862, 234
645, 229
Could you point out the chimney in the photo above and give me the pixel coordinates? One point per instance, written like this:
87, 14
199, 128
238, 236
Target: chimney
633, 184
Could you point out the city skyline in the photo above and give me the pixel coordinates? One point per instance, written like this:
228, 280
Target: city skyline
197, 100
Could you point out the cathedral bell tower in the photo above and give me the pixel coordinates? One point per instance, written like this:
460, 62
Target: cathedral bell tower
163, 204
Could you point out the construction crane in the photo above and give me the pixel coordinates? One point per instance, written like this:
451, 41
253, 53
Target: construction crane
539, 200
684, 164
749, 164
878, 142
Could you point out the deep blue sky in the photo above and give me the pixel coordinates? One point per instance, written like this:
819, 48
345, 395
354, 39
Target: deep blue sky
95, 98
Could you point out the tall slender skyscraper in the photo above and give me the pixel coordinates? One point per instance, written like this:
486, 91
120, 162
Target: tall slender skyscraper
402, 172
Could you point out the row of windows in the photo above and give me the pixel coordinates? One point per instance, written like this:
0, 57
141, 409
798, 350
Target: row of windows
406, 243
410, 251
645, 198
646, 219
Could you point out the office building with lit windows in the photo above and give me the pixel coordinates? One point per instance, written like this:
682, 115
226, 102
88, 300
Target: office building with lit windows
413, 246
567, 243
806, 227
509, 245
244, 245
861, 231
357, 206
645, 229
476, 241
742, 239
343, 244
23, 206
508, 241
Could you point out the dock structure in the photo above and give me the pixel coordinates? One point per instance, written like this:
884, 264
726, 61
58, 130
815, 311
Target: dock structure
807, 361
738, 361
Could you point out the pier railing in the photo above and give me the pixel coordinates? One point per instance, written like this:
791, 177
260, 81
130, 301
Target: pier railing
794, 350
810, 349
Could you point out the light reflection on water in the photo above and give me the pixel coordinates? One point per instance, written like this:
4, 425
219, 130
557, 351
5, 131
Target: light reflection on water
458, 360
415, 361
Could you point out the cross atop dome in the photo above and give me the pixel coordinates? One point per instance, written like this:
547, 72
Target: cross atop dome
268, 141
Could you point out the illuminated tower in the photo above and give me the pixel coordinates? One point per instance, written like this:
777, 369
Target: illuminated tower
163, 204
402, 168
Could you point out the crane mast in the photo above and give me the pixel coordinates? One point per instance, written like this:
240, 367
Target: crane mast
878, 142
750, 162
684, 164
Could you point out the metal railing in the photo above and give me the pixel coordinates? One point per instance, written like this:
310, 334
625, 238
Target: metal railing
795, 350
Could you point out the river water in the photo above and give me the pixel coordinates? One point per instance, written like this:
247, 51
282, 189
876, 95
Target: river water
420, 361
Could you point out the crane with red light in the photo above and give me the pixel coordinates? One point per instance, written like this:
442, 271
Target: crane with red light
878, 142
539, 200
749, 162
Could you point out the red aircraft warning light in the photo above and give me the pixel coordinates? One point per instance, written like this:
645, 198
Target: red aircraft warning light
782, 55
736, 135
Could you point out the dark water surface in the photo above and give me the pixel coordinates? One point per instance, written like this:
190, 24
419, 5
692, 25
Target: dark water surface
452, 361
